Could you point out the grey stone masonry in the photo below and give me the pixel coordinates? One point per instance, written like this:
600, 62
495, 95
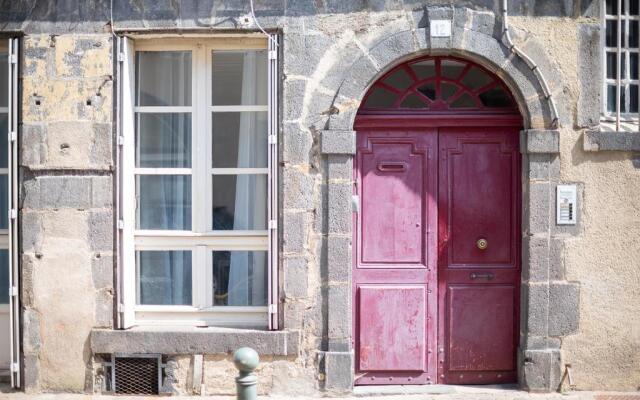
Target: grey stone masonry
195, 340
611, 141
540, 141
338, 142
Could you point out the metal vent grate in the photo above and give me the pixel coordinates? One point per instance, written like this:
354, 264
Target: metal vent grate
137, 375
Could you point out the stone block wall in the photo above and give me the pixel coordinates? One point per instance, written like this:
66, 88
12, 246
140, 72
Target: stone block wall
579, 283
66, 205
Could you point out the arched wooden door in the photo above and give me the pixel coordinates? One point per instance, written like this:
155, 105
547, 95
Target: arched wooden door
436, 274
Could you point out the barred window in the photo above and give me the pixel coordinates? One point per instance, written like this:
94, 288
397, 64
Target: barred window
621, 65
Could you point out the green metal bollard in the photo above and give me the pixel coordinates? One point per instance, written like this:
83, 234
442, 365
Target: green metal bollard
246, 360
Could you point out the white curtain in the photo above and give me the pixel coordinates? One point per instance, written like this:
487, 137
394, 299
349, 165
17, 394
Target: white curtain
247, 275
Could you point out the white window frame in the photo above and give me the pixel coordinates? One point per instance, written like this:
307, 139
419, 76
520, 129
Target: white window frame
201, 241
618, 120
8, 237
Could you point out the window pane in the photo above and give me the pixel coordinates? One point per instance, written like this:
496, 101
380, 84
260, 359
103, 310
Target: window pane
633, 98
612, 33
413, 101
239, 77
476, 78
239, 202
240, 140
611, 98
612, 7
611, 65
633, 7
239, 278
4, 150
379, 98
424, 69
623, 65
4, 80
399, 80
633, 34
163, 141
4, 276
4, 203
495, 97
164, 277
452, 69
163, 78
164, 202
633, 59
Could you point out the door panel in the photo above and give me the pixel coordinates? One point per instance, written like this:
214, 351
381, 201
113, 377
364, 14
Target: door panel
467, 306
479, 252
395, 260
392, 341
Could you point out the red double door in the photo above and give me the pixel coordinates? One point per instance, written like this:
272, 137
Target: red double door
437, 255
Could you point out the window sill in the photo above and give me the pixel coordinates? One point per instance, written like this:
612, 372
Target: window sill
611, 141
192, 340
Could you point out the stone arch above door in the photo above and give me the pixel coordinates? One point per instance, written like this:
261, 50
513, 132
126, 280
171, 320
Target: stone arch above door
475, 36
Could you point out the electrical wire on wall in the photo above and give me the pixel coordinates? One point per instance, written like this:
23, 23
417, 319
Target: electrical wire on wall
253, 15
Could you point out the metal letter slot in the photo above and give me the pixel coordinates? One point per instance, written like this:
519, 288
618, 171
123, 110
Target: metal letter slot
392, 166
488, 276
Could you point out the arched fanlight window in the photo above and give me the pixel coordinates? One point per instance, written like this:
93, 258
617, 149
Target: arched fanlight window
438, 84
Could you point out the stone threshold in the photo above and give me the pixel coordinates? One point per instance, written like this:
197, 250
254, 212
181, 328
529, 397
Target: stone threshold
192, 340
394, 390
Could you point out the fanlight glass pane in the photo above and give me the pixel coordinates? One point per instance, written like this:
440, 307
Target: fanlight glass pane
239, 77
239, 278
424, 69
429, 90
4, 276
452, 69
464, 101
4, 80
476, 78
164, 277
495, 97
380, 98
447, 90
164, 202
240, 202
163, 140
413, 101
163, 78
399, 80
239, 139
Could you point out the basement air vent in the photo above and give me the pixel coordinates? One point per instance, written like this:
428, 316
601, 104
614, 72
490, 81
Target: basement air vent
137, 374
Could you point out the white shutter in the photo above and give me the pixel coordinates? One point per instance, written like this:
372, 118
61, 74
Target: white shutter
126, 187
273, 181
14, 264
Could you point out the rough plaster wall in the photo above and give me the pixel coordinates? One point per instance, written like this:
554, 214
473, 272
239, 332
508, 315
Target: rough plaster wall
603, 256
66, 206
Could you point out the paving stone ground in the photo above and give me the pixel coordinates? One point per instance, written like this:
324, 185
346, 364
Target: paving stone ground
446, 393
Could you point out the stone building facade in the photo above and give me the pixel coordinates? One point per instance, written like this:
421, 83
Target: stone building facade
578, 289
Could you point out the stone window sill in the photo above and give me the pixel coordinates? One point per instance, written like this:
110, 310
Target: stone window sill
611, 141
192, 340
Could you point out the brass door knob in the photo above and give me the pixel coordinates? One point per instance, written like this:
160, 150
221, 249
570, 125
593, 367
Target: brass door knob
482, 244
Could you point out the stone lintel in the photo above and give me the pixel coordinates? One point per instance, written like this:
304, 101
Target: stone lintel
338, 142
611, 141
540, 141
193, 340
